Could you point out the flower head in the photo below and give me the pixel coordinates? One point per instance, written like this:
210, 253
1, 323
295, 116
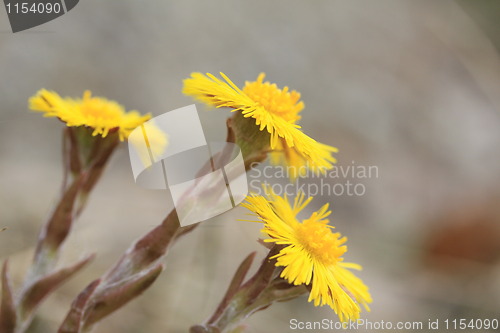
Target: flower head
102, 115
312, 253
274, 110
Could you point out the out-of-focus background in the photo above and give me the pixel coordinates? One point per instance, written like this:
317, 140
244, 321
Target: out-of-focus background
409, 87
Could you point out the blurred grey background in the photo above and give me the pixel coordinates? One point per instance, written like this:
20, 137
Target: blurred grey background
412, 87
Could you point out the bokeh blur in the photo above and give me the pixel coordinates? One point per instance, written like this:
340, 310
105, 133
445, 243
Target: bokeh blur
410, 87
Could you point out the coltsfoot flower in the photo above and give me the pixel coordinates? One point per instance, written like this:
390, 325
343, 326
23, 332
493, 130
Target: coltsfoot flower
312, 253
102, 115
274, 111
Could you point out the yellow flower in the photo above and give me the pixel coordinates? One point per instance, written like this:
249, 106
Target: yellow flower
312, 253
102, 115
274, 110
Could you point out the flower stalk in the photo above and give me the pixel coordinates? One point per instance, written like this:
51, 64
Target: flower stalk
85, 157
242, 299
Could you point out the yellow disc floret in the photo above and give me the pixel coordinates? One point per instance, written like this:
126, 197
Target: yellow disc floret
320, 242
281, 102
